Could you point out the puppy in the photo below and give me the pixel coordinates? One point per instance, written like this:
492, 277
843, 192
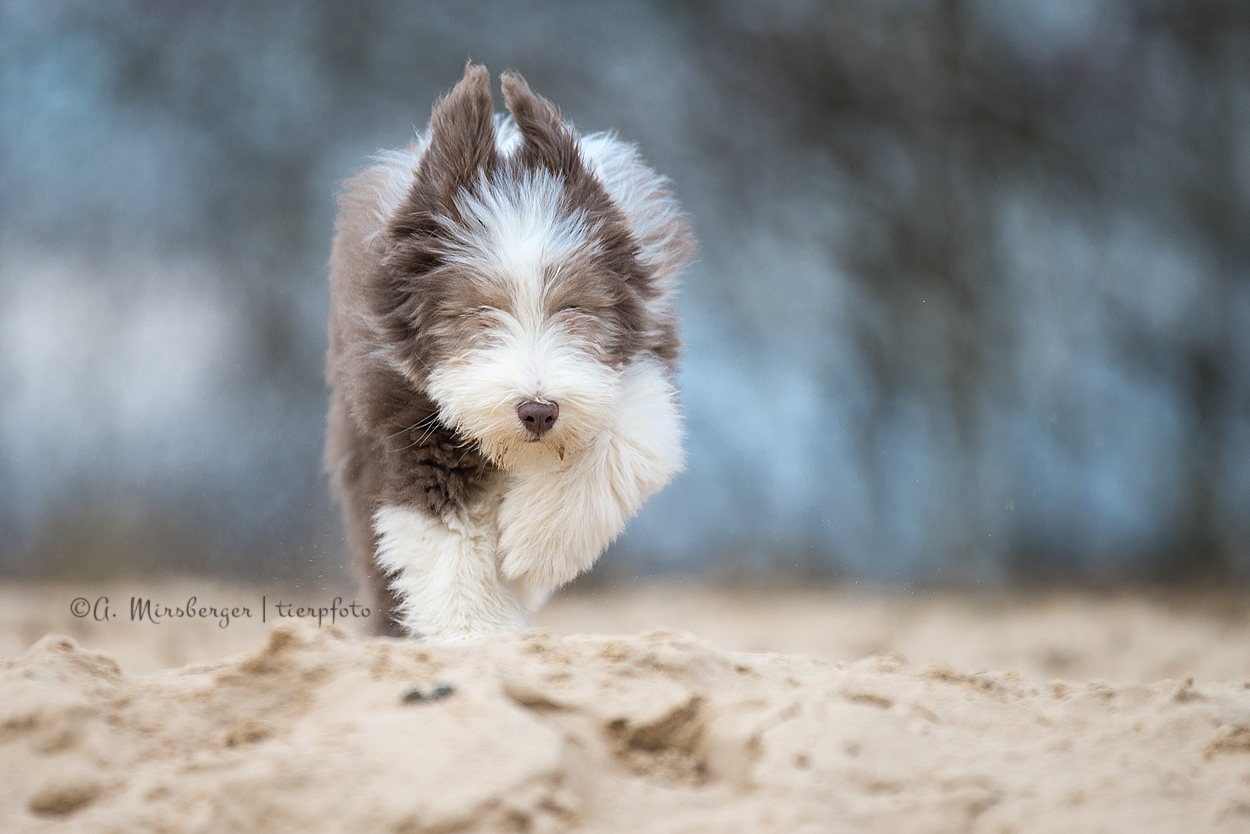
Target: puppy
503, 344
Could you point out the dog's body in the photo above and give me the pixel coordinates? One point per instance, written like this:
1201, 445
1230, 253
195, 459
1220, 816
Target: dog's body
503, 344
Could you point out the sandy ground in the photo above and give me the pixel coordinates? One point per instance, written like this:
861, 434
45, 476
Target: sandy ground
847, 709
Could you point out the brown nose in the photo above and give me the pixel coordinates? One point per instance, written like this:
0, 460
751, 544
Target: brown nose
538, 417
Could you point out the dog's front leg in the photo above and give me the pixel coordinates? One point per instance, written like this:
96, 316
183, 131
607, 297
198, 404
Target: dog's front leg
445, 574
555, 521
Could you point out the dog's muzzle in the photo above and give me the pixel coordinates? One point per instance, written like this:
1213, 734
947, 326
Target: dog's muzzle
538, 417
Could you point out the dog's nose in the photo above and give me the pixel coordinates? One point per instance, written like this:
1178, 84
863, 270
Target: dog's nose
538, 417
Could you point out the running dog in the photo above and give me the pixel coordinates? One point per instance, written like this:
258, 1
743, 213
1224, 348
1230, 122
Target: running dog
503, 350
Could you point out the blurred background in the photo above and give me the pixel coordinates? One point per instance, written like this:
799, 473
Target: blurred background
972, 308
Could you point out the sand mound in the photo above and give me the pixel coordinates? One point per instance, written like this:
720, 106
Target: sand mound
315, 731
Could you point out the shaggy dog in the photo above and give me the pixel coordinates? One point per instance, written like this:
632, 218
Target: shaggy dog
503, 343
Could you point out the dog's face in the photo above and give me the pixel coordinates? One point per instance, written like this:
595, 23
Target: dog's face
515, 290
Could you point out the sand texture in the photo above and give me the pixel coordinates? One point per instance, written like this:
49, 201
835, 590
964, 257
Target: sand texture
315, 730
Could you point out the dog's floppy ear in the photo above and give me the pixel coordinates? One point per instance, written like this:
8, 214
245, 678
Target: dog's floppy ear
462, 136
547, 142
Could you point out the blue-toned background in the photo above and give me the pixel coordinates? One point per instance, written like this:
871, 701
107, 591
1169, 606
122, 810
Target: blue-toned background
973, 301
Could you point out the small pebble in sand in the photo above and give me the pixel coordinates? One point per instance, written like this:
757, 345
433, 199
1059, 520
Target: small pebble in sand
438, 693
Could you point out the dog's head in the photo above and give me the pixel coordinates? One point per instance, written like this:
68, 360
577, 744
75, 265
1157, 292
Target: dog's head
515, 288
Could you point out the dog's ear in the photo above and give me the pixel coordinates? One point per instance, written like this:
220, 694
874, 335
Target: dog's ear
462, 137
546, 140
460, 147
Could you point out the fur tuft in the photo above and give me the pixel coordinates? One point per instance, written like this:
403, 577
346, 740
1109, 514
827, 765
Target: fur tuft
460, 148
546, 141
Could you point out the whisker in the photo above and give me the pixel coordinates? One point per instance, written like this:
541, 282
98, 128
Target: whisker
406, 448
434, 425
415, 425
470, 448
429, 431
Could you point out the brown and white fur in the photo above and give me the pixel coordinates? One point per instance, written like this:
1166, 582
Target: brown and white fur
499, 272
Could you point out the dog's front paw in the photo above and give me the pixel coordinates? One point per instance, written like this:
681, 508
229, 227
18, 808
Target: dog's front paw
548, 534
